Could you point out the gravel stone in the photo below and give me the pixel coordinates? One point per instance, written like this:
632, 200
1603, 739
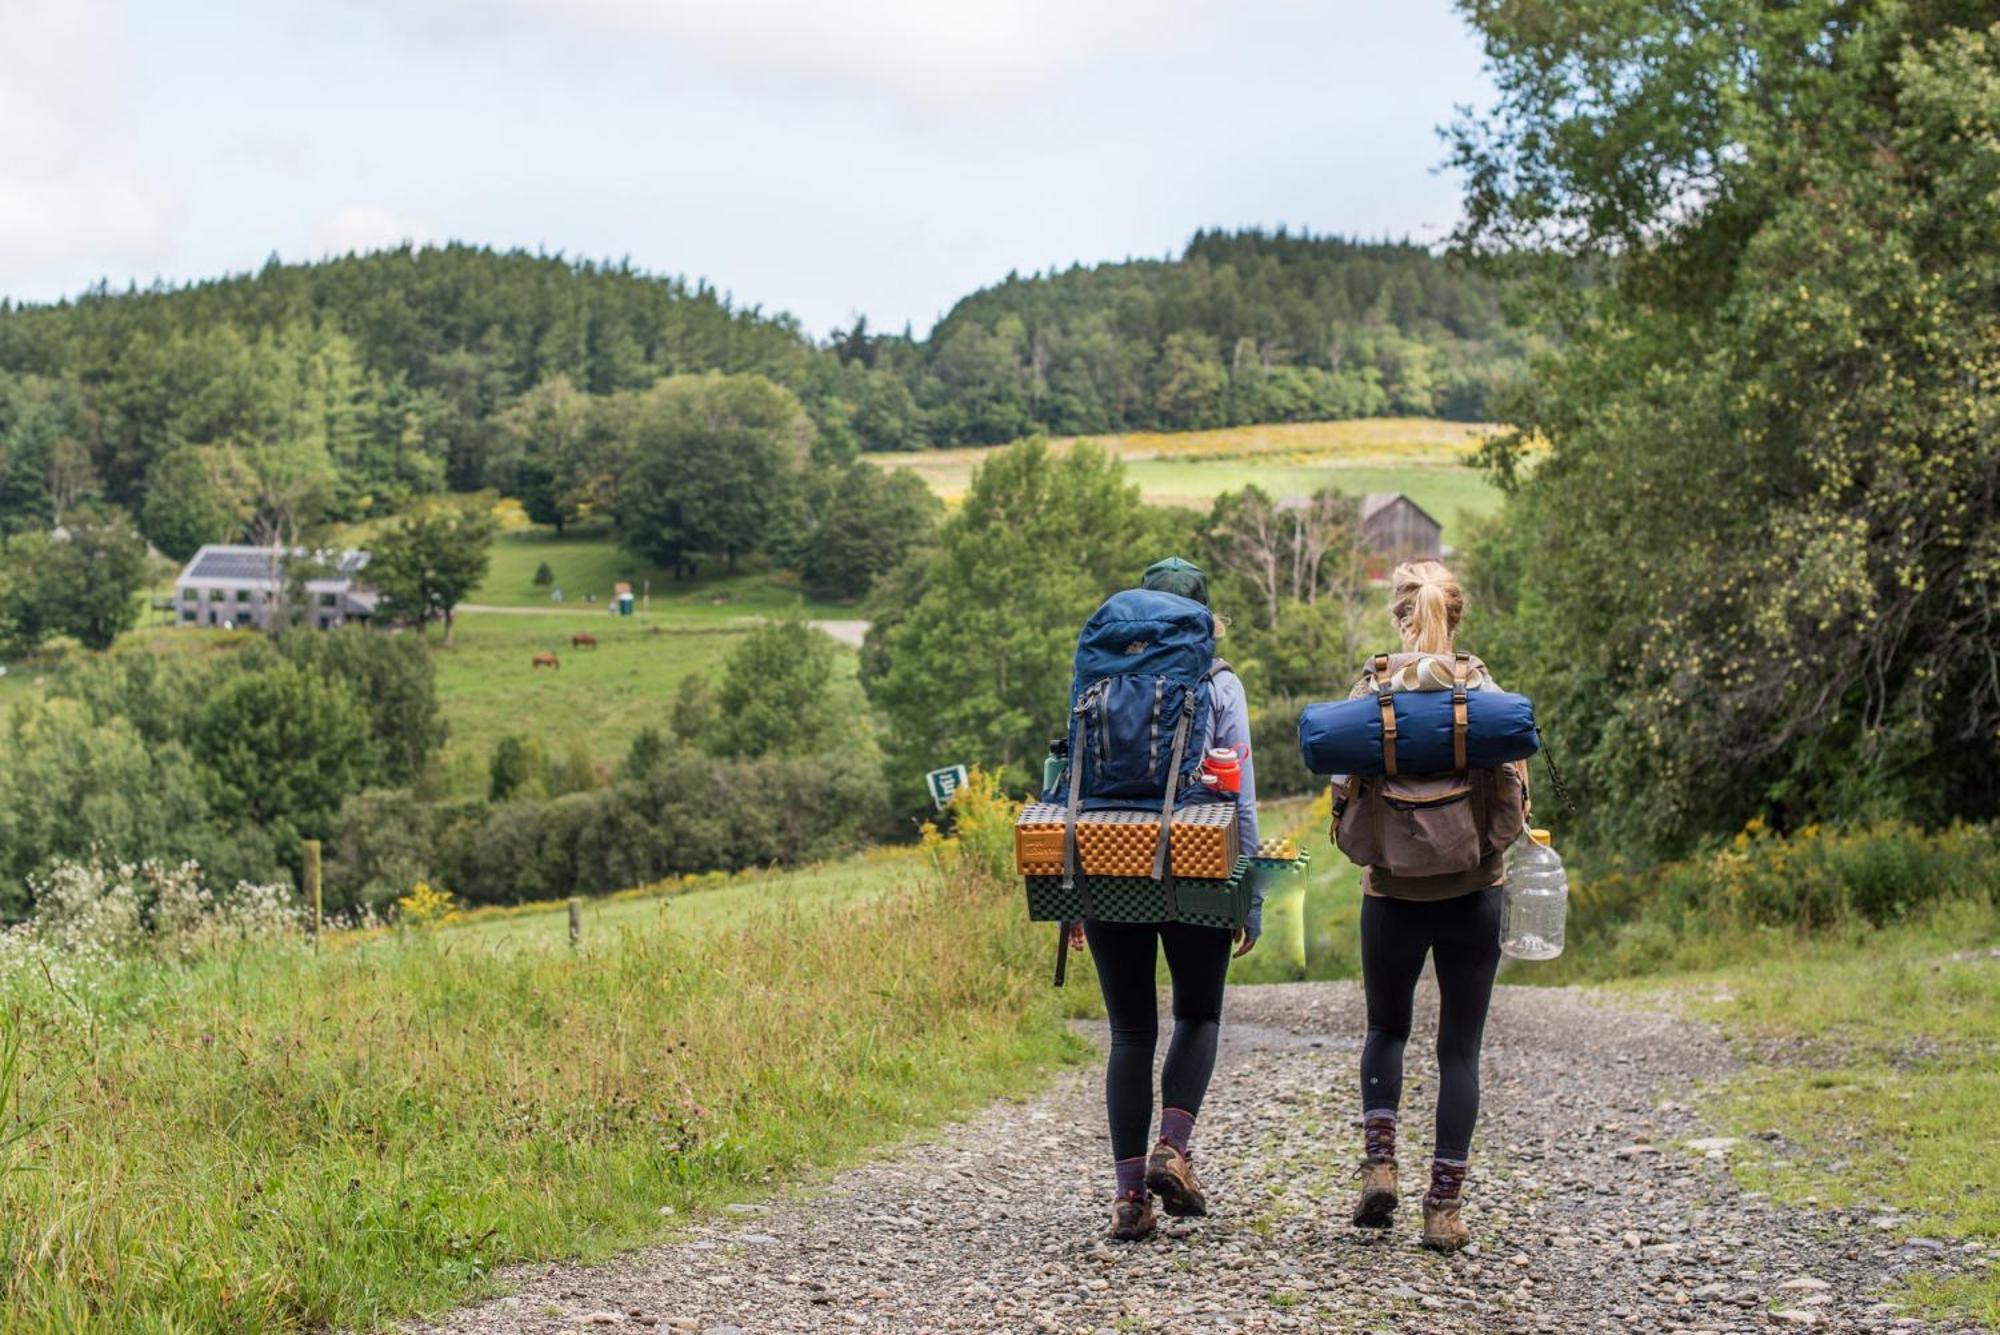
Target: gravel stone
1582, 1222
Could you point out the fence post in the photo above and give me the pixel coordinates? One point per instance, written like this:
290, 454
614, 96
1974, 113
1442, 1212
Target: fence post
311, 847
575, 920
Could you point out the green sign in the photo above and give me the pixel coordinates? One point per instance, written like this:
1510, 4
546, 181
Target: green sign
944, 784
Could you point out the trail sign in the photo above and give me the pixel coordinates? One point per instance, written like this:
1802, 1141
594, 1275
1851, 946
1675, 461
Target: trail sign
945, 783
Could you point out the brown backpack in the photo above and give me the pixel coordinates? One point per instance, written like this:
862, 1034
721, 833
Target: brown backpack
1415, 825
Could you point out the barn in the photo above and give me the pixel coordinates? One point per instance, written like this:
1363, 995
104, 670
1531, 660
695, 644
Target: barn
1395, 528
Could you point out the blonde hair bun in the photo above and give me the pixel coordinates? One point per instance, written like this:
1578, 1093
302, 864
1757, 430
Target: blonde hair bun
1426, 603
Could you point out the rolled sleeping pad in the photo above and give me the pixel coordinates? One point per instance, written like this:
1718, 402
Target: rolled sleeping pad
1345, 737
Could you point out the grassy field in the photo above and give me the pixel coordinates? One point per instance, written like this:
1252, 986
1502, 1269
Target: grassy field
592, 562
488, 687
282, 1140
1420, 456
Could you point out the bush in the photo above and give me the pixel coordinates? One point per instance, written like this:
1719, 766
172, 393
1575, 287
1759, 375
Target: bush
1274, 745
1685, 914
91, 916
982, 824
684, 813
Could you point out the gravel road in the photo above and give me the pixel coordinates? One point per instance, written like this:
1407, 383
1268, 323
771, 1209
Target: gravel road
1589, 1209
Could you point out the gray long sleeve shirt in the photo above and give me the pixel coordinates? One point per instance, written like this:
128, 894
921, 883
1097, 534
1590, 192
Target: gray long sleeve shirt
1229, 725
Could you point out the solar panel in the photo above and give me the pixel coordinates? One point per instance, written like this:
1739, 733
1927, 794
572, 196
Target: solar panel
232, 563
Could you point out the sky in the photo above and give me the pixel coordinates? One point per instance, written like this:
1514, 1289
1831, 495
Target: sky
830, 158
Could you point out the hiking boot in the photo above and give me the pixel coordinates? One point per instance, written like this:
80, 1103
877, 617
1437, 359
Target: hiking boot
1132, 1219
1170, 1176
1444, 1231
1378, 1193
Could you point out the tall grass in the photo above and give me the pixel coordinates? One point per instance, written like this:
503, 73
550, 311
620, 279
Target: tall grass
276, 1139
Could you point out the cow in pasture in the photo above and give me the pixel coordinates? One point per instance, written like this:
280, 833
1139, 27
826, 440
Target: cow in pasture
583, 640
546, 661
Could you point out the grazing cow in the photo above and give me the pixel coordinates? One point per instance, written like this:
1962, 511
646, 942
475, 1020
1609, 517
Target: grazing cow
583, 640
546, 661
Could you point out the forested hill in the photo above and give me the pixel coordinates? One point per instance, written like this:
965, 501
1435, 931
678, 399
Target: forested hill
396, 364
1243, 327
369, 380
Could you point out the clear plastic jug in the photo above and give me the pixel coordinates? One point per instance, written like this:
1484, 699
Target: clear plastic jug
1535, 899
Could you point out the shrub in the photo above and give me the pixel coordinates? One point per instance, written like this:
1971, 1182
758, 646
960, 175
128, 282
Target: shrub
1762, 882
688, 813
982, 824
1274, 745
91, 916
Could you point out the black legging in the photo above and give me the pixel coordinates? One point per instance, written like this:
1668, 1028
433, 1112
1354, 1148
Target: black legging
1198, 962
1463, 936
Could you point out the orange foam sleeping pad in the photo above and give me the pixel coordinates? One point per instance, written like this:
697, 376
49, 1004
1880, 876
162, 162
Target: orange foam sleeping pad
1121, 843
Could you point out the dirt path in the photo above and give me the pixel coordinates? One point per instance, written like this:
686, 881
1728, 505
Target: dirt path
1590, 1210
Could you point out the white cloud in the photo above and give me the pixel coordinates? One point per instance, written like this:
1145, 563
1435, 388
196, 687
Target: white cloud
359, 227
61, 201
932, 51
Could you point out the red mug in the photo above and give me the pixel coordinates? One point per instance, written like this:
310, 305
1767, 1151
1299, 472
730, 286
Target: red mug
1226, 765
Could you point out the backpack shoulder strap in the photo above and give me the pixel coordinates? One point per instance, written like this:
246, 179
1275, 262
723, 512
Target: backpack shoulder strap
1163, 854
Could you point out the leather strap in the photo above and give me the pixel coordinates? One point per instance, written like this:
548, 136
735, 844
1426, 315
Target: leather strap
1461, 668
1343, 799
1387, 700
1062, 953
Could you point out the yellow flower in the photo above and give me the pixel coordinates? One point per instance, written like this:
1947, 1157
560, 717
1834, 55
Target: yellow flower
425, 905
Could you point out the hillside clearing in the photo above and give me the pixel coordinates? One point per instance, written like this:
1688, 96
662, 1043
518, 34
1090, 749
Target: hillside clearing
1425, 457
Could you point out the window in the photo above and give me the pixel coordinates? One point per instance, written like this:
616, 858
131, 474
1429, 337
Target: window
329, 600
243, 595
189, 614
190, 595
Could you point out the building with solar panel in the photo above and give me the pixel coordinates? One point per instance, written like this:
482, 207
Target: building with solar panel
244, 587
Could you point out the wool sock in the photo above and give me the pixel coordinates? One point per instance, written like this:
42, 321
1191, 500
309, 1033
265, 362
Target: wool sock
1176, 1126
1378, 1128
1447, 1178
1131, 1178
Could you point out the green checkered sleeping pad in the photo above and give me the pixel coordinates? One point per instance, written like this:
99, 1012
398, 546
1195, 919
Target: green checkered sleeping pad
1205, 903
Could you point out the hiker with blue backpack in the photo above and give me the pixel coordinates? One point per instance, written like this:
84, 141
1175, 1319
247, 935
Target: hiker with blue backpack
1150, 700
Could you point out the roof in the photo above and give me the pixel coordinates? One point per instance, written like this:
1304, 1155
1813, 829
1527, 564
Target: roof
252, 565
1375, 502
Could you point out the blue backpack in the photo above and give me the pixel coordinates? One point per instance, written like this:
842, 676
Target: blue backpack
1143, 687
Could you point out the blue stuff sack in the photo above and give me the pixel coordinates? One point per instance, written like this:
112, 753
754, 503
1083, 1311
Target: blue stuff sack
1345, 737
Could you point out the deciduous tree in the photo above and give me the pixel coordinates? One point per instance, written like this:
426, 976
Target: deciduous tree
429, 562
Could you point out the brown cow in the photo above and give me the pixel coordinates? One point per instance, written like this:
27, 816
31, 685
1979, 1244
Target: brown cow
546, 661
583, 640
